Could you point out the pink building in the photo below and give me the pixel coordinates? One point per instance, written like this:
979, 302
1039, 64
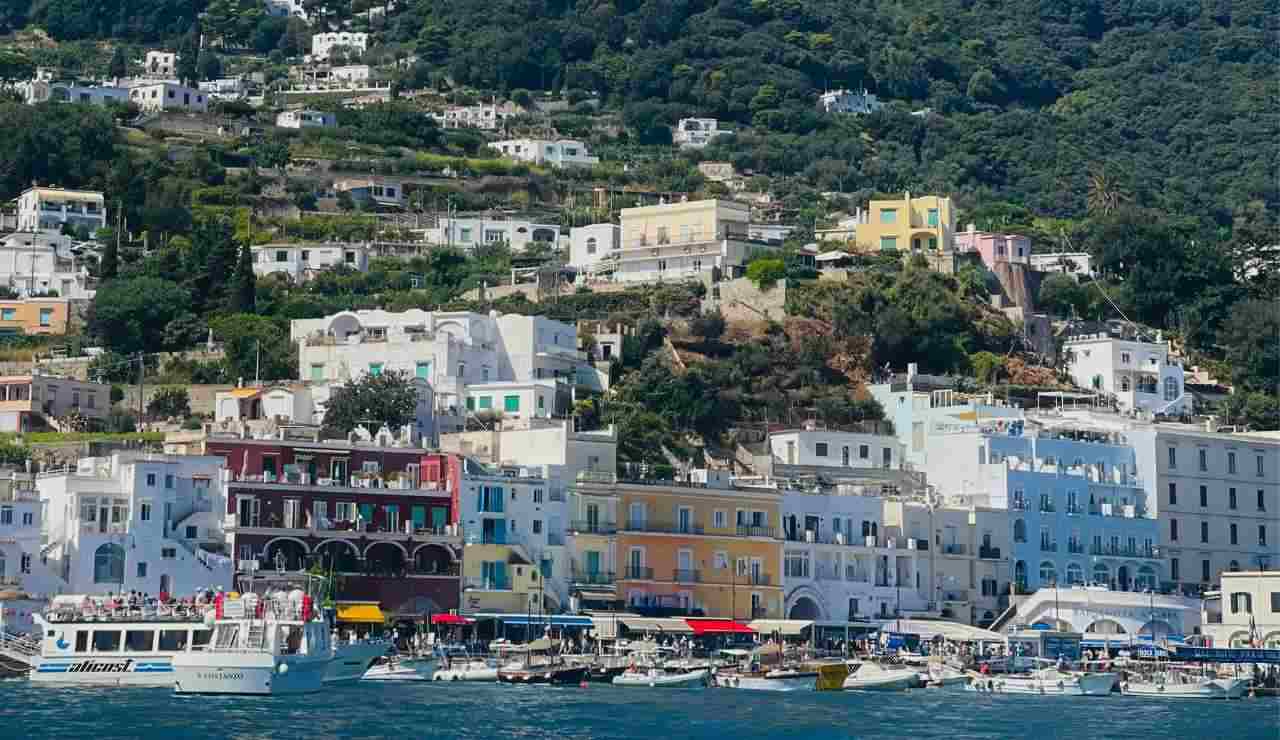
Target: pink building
994, 248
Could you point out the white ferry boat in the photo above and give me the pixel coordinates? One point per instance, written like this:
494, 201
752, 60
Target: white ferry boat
271, 645
98, 641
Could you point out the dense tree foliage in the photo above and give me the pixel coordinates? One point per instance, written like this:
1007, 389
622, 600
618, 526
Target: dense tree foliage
370, 402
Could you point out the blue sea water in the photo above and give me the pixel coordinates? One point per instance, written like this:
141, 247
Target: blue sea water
601, 711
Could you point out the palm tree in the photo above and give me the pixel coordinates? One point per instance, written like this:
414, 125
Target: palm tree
1105, 196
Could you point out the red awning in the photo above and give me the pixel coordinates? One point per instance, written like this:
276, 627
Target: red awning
450, 619
718, 627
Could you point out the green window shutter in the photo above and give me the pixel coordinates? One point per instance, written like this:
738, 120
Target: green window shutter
511, 403
486, 402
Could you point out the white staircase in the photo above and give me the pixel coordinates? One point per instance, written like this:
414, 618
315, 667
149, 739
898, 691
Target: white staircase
18, 652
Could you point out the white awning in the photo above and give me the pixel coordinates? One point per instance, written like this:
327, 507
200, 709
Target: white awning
784, 627
832, 256
648, 624
928, 629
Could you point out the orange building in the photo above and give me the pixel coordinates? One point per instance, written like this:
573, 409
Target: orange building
680, 549
34, 316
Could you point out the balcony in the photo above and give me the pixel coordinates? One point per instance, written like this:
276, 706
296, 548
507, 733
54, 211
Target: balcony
648, 525
590, 526
637, 573
1017, 505
686, 576
1075, 548
486, 584
953, 549
759, 612
342, 530
1125, 551
1048, 547
599, 578
759, 531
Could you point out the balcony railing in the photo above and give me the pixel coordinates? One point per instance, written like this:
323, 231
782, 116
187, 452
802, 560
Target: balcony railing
957, 596
487, 584
1125, 551
637, 573
760, 531
686, 576
1075, 509
759, 612
989, 553
648, 525
589, 526
1018, 505
599, 578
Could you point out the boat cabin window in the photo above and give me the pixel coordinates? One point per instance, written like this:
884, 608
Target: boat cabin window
173, 641
82, 641
289, 639
228, 636
139, 641
106, 641
200, 639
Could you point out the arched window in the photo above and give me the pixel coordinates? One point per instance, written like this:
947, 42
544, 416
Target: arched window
1170, 389
591, 245
1020, 574
1019, 530
108, 564
1101, 574
1048, 573
1075, 574
1234, 567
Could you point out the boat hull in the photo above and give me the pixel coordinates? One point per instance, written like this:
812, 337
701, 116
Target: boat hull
149, 672
765, 683
555, 676
419, 669
1207, 689
352, 660
257, 674
1093, 684
882, 683
479, 674
691, 680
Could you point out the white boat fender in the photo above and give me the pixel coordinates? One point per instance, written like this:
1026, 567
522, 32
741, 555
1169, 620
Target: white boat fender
283, 669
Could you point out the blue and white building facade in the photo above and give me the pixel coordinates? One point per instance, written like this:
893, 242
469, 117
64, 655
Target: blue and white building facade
1078, 512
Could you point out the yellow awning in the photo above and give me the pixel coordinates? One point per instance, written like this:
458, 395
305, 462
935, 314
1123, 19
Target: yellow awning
364, 613
245, 392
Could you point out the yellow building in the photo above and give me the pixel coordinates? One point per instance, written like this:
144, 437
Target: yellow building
34, 316
679, 549
500, 578
924, 224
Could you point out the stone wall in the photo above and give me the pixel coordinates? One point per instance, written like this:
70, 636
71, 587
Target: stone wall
201, 396
741, 300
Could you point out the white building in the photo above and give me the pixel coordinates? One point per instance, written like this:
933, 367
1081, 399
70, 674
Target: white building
323, 44
302, 262
21, 540
832, 448
464, 357
43, 262
846, 101
161, 64
287, 8
695, 133
1102, 615
554, 152
53, 207
1244, 611
166, 96
1137, 374
372, 191
1072, 263
484, 116
137, 522
306, 119
589, 245
43, 91
550, 443
677, 241
225, 88
468, 232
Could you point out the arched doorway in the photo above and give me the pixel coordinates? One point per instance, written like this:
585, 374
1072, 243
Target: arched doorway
431, 560
1075, 574
1105, 627
339, 556
1020, 574
804, 608
384, 559
1146, 580
1239, 640
108, 564
1122, 578
1156, 629
285, 554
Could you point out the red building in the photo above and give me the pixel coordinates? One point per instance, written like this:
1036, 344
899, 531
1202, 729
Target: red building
384, 519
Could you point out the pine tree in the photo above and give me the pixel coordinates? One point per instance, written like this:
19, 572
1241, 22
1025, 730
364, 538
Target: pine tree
245, 295
119, 67
109, 264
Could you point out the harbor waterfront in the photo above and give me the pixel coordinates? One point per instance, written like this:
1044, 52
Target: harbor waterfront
428, 710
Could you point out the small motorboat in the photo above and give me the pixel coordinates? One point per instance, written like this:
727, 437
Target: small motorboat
655, 677
1045, 681
394, 668
469, 669
872, 676
1176, 685
941, 675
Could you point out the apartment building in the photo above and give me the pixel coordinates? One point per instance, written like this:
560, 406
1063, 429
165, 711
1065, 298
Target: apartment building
303, 261
43, 264
372, 192
1245, 610
589, 245
137, 522
169, 96
925, 224
849, 102
1216, 496
469, 232
32, 402
161, 64
383, 518
1137, 374
306, 119
323, 44
514, 523
34, 316
53, 207
706, 549
553, 152
692, 240
484, 116
22, 565
834, 447
696, 133
995, 248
